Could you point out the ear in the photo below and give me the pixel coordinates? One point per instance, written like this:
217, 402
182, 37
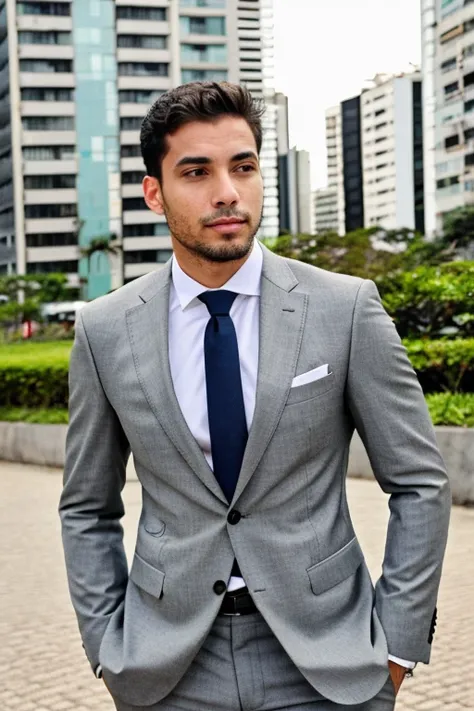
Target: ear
153, 194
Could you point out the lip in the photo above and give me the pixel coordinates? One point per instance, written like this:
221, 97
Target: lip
227, 225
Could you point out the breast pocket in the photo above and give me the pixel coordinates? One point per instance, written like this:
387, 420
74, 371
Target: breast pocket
301, 393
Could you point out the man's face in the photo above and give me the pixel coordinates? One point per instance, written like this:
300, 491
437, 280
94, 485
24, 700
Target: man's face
211, 190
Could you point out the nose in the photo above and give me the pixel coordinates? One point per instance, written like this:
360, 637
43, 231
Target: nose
225, 192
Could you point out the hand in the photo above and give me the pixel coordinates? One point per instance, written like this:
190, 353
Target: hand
397, 674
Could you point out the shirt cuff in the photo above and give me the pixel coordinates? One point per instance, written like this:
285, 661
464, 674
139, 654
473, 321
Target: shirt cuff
402, 662
98, 671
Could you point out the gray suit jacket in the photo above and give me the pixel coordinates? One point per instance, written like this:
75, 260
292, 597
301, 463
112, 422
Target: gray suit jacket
295, 543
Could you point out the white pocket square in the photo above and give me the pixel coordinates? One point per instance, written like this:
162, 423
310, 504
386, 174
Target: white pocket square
311, 376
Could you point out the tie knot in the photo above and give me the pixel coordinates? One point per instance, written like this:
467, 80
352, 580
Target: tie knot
219, 302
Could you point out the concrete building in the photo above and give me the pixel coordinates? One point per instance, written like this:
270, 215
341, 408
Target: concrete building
392, 152
325, 210
76, 79
448, 73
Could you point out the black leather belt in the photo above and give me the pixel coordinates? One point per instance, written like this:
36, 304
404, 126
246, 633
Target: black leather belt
238, 602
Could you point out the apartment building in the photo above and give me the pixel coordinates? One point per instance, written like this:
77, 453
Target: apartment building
392, 152
448, 74
76, 78
325, 204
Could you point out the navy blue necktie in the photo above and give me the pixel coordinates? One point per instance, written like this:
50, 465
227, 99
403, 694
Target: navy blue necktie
225, 399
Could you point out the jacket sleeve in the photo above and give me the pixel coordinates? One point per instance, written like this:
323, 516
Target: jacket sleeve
91, 505
390, 413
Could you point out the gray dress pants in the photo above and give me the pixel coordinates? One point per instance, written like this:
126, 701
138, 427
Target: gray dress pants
243, 667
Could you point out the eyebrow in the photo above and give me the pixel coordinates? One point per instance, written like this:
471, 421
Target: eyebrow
203, 160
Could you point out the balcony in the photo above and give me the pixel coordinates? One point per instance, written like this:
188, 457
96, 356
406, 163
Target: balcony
50, 197
48, 138
47, 108
43, 22
50, 167
47, 79
46, 51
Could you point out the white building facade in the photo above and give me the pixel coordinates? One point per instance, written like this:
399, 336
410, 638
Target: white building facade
392, 160
448, 73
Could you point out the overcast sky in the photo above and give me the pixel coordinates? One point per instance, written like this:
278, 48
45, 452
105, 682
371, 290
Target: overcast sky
326, 49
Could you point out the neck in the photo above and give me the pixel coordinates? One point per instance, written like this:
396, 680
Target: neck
210, 274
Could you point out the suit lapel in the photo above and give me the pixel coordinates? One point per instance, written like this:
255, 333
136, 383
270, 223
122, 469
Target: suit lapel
282, 319
148, 333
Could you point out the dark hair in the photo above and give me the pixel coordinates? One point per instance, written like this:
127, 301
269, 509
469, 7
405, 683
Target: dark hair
196, 101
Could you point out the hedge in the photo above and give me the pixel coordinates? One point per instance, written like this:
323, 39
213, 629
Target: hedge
35, 375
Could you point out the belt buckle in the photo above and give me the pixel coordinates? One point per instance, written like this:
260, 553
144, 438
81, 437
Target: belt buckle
235, 613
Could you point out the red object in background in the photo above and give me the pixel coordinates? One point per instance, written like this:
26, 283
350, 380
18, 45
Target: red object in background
27, 329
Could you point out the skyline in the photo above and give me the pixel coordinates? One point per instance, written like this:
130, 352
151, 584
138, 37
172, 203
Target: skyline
379, 39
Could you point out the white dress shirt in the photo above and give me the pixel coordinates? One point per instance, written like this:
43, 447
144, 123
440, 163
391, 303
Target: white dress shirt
188, 318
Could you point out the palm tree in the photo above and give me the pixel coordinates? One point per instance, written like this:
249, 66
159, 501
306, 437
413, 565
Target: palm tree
107, 245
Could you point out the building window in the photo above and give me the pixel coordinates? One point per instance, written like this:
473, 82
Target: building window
452, 33
448, 65
212, 53
51, 37
130, 123
469, 159
451, 141
157, 229
153, 14
130, 151
44, 211
64, 267
203, 26
132, 177
150, 256
49, 182
451, 88
142, 41
48, 152
139, 96
59, 239
447, 182
43, 8
213, 4
48, 123
48, 66
133, 204
143, 69
189, 75
31, 94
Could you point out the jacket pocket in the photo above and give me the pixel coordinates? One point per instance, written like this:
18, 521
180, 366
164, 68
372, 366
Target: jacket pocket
333, 570
301, 393
147, 577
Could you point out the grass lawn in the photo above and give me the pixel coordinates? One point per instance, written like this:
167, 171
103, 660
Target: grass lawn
51, 416
30, 351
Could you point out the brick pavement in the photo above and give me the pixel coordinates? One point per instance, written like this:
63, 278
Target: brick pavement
42, 665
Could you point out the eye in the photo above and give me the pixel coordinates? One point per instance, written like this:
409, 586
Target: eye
247, 168
196, 173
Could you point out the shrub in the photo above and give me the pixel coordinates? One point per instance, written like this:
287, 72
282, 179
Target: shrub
455, 409
431, 301
443, 364
34, 375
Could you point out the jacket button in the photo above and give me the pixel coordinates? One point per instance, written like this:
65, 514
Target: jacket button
234, 517
219, 587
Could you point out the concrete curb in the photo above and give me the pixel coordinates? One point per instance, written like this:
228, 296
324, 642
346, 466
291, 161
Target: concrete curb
45, 445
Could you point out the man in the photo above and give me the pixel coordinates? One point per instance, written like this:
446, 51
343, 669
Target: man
237, 378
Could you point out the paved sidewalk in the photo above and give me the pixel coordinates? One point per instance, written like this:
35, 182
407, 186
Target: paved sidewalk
42, 665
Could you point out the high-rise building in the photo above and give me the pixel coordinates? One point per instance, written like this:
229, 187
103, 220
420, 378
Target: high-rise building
325, 203
448, 76
77, 77
392, 152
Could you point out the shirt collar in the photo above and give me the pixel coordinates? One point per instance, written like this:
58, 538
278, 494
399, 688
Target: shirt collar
245, 281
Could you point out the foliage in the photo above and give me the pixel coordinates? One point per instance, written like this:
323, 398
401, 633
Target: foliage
34, 374
458, 227
456, 410
36, 290
368, 253
45, 416
431, 301
443, 364
104, 244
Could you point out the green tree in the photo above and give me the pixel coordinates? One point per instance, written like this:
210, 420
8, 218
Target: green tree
458, 228
24, 295
106, 245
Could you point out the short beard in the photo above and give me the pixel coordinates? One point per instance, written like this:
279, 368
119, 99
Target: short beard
220, 254
210, 253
